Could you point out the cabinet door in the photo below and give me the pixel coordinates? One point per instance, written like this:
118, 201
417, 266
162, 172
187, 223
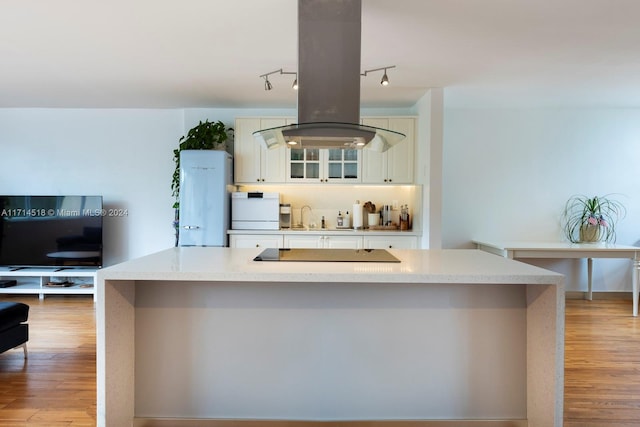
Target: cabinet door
255, 241
341, 165
246, 152
389, 242
273, 161
374, 163
301, 241
344, 242
400, 158
305, 165
253, 163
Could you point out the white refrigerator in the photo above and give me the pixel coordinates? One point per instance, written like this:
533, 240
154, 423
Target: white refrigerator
205, 197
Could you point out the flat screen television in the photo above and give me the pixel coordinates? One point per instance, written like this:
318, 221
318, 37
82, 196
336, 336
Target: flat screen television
51, 231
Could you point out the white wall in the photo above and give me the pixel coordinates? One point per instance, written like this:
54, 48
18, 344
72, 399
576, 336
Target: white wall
508, 172
123, 155
429, 165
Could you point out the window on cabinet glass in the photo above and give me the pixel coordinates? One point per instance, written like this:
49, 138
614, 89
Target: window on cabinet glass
297, 170
313, 170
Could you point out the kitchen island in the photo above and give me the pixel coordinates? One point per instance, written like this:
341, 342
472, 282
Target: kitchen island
208, 334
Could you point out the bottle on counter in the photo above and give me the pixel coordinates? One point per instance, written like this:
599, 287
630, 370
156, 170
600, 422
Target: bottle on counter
386, 215
323, 225
340, 220
357, 215
347, 221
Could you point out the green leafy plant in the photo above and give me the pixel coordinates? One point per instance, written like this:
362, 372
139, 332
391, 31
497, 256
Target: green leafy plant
205, 136
590, 219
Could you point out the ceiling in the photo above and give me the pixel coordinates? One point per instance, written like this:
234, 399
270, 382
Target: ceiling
209, 53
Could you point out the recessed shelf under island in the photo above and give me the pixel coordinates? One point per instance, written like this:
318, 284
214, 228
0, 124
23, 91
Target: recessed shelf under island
209, 334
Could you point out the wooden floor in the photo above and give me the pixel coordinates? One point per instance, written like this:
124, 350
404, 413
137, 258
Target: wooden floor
602, 364
55, 386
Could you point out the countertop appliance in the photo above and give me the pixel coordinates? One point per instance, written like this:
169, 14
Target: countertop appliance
205, 181
255, 211
326, 255
285, 215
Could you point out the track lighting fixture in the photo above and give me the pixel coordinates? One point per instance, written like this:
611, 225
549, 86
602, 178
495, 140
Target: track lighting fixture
269, 86
385, 78
294, 86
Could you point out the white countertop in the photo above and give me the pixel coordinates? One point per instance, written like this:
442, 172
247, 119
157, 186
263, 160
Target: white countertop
330, 231
416, 266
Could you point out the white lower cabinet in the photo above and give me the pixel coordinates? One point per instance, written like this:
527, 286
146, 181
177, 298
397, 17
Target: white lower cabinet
389, 242
311, 241
255, 241
323, 241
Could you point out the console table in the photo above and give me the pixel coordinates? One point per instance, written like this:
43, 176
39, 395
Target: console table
518, 249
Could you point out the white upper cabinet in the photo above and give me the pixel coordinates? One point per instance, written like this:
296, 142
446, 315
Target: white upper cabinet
323, 165
394, 166
253, 163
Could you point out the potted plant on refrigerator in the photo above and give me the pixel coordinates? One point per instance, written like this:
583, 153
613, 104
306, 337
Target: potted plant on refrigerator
591, 219
204, 136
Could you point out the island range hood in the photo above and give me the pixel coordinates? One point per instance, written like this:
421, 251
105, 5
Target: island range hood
329, 34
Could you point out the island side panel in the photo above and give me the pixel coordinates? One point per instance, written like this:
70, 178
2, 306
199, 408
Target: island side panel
319, 351
115, 359
545, 355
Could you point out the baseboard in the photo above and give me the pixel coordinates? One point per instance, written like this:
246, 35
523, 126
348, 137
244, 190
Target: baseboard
607, 295
174, 422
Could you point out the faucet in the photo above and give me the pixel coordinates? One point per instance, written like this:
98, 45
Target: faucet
302, 216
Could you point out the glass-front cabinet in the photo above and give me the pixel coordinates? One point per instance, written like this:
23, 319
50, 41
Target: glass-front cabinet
323, 165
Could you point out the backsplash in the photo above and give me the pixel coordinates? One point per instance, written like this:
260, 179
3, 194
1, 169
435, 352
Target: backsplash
328, 200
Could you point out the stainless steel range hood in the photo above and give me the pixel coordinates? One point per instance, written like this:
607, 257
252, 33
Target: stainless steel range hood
329, 83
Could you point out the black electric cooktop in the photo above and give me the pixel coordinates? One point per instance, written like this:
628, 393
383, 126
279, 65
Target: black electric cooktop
326, 255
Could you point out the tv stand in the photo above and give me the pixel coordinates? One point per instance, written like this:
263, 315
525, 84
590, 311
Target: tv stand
50, 281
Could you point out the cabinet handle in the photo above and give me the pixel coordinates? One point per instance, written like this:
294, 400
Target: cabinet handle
385, 180
389, 180
390, 246
257, 245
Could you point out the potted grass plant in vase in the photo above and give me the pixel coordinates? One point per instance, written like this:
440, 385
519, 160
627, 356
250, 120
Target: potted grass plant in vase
591, 219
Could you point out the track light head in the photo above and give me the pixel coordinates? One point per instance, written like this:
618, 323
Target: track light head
295, 84
267, 84
385, 79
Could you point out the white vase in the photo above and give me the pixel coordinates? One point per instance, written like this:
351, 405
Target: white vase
373, 219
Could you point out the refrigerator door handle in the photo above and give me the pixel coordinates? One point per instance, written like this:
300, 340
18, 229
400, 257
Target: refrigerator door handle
190, 227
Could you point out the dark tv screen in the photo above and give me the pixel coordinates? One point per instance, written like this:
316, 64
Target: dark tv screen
51, 231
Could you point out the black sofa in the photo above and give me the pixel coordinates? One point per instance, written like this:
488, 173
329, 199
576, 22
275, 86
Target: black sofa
14, 332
